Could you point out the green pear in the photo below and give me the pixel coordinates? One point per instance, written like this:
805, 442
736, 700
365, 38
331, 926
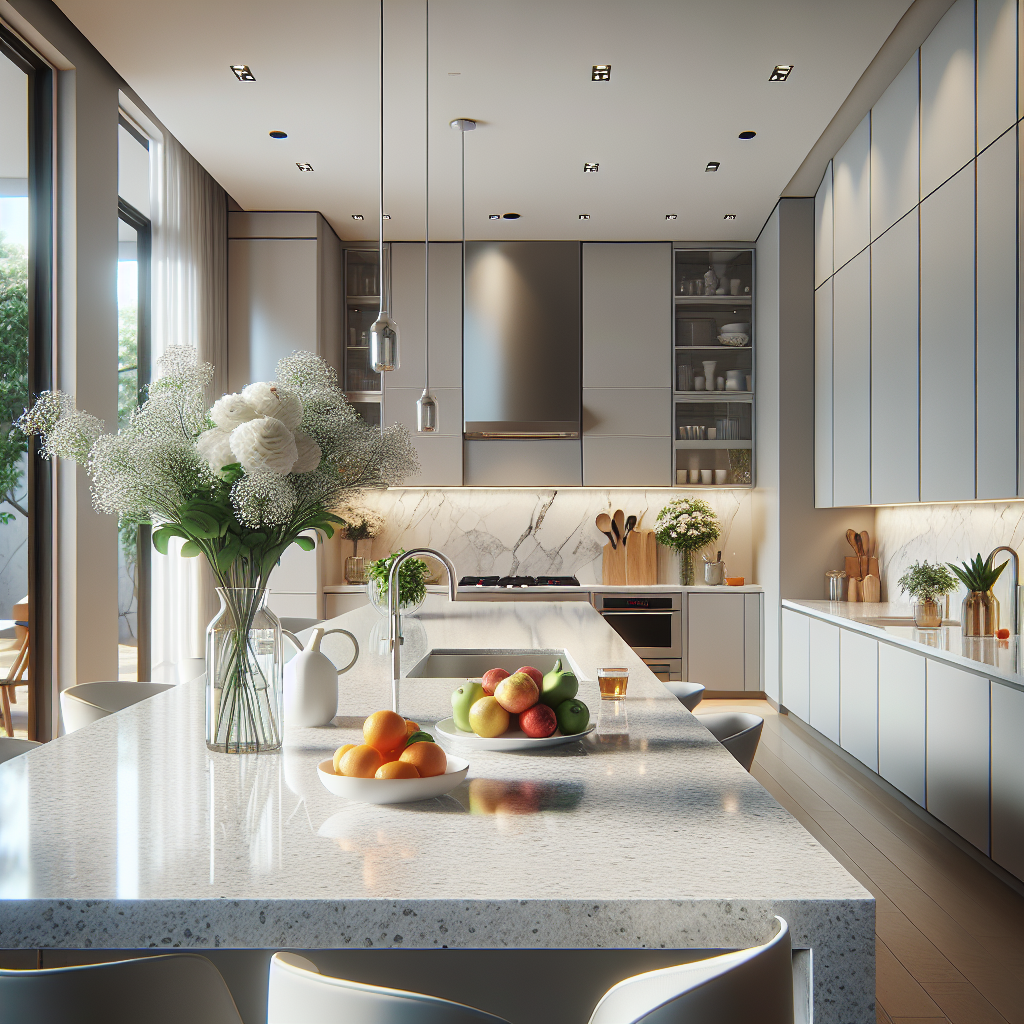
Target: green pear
559, 685
462, 700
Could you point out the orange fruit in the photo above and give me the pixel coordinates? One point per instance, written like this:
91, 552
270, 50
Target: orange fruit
339, 754
397, 770
384, 730
427, 758
360, 762
392, 755
411, 727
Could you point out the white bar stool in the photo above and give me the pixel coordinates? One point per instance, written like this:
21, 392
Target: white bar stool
688, 694
738, 731
85, 703
10, 747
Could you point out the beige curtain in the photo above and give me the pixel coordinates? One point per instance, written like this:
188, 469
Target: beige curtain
189, 280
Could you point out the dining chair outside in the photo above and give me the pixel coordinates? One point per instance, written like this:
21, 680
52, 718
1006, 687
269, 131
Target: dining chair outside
17, 669
300, 994
15, 748
178, 988
85, 703
688, 694
738, 731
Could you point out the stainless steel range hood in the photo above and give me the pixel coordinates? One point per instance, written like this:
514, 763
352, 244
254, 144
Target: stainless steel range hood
522, 347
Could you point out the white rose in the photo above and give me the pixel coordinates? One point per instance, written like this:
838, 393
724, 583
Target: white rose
264, 444
215, 447
230, 411
309, 453
270, 399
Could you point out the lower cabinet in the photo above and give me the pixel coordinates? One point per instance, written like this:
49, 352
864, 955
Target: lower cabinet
958, 751
901, 720
824, 664
796, 676
723, 640
858, 697
1008, 778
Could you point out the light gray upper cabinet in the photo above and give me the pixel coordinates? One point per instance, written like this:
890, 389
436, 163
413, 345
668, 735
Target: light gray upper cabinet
626, 461
627, 314
858, 697
851, 393
894, 364
894, 150
823, 229
1008, 778
823, 378
958, 751
627, 412
851, 194
947, 341
997, 68
796, 670
901, 720
947, 96
824, 661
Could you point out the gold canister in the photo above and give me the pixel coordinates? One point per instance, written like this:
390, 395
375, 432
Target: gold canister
355, 569
979, 614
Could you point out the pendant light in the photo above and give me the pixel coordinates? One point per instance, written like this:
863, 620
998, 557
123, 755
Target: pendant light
463, 125
426, 404
384, 339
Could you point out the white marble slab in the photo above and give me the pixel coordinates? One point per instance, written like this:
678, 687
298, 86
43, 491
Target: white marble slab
1001, 660
130, 833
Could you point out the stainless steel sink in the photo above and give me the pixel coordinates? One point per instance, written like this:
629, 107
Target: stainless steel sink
472, 664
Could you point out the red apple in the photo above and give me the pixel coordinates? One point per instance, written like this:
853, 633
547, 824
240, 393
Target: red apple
491, 678
535, 674
538, 721
517, 693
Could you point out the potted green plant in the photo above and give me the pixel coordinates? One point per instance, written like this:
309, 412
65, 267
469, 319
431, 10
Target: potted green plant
687, 525
926, 583
979, 614
412, 582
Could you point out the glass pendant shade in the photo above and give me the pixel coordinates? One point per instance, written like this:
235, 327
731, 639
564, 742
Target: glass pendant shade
384, 344
426, 413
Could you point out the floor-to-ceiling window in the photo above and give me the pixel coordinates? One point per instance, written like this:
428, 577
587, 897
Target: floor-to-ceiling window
25, 370
133, 374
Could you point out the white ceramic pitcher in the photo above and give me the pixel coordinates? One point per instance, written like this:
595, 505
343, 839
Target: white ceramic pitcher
311, 681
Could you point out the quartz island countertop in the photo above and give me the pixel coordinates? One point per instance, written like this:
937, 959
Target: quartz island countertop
131, 834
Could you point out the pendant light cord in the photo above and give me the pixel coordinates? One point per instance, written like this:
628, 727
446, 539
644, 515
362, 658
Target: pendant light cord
426, 212
384, 298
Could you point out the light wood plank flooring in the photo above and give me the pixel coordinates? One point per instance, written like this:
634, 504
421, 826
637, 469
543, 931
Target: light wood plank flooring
949, 936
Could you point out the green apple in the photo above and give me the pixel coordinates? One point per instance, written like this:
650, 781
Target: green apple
462, 700
559, 685
573, 716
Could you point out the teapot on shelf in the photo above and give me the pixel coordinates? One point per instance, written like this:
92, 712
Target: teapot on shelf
311, 680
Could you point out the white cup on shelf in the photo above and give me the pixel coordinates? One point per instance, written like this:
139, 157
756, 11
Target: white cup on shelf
707, 476
720, 475
694, 476
712, 433
698, 383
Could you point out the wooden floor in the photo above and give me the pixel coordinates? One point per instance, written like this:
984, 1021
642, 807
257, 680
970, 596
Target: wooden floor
949, 936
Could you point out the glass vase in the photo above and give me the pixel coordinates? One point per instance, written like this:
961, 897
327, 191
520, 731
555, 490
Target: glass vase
686, 571
244, 674
979, 614
379, 599
928, 614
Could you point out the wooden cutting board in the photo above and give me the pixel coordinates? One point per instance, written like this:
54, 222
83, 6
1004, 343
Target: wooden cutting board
642, 558
858, 568
613, 565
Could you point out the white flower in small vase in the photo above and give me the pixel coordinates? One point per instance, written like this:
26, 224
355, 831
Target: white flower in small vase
264, 444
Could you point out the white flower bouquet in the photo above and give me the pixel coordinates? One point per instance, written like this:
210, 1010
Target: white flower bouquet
686, 525
238, 482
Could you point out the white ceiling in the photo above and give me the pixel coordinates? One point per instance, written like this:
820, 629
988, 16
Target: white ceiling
687, 77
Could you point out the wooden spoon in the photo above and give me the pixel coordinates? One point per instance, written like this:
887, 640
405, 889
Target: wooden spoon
604, 524
630, 527
851, 538
618, 523
865, 542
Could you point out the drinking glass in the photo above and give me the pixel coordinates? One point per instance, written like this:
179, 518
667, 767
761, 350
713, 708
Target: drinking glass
612, 683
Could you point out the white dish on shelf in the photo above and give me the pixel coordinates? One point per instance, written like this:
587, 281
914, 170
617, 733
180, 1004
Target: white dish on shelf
393, 791
735, 328
515, 739
734, 340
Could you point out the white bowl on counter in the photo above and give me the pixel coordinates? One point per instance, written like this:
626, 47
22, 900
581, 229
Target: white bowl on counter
393, 791
512, 740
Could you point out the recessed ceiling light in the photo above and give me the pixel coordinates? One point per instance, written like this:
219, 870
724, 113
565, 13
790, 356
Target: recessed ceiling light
357, 216
590, 168
713, 165
780, 72
671, 216
584, 216
242, 72
303, 166
494, 216
601, 73
729, 216
510, 216
279, 135
746, 135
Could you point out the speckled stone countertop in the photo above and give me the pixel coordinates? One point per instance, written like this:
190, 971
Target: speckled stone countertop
1001, 660
130, 833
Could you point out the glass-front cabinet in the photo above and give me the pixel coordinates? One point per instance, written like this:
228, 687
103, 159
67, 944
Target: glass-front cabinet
713, 367
362, 303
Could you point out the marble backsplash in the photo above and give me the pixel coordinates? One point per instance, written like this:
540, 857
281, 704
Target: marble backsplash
944, 533
550, 531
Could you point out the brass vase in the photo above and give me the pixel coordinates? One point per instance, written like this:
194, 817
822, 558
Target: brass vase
979, 614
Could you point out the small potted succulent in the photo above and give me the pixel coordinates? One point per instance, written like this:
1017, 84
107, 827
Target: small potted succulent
979, 614
412, 583
926, 583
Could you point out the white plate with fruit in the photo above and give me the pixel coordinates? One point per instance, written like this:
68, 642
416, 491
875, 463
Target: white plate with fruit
396, 763
522, 710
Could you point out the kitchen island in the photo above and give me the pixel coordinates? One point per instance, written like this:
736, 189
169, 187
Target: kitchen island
130, 834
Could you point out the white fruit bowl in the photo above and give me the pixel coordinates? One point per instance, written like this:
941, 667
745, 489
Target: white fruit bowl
734, 340
393, 791
515, 739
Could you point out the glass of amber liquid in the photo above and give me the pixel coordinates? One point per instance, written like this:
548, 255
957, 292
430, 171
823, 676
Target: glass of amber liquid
612, 682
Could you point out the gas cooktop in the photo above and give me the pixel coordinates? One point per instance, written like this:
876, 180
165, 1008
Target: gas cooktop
511, 582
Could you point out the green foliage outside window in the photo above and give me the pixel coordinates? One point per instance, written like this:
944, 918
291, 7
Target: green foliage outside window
13, 372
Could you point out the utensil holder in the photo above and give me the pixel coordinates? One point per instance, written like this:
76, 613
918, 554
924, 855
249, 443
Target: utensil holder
714, 573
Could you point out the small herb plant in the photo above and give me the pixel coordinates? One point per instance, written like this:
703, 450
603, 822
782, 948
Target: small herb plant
687, 524
978, 575
924, 581
412, 578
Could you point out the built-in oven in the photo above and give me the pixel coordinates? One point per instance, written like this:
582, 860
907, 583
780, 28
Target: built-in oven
652, 624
